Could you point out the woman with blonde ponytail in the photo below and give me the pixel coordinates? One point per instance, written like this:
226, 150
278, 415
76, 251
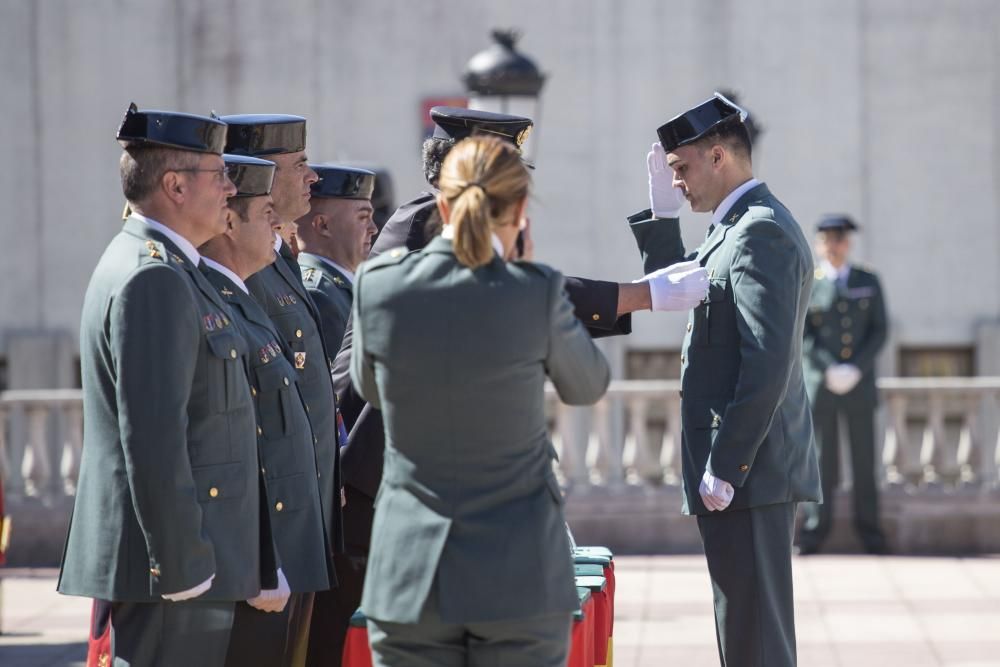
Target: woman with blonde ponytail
469, 560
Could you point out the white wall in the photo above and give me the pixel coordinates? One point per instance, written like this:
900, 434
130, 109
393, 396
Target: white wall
883, 109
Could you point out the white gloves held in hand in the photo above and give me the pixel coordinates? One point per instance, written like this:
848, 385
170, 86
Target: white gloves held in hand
665, 200
842, 378
190, 593
272, 599
681, 286
715, 493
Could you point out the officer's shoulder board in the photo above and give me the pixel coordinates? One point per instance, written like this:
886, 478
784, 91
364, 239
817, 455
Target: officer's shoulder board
755, 212
388, 258
156, 252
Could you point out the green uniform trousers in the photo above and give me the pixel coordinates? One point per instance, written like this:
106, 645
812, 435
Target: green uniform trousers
168, 634
749, 555
539, 641
272, 639
859, 416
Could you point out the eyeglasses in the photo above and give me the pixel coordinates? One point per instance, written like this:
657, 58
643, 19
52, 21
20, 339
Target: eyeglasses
220, 174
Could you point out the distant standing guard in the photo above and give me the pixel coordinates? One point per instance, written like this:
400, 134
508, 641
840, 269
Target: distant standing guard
334, 238
166, 523
845, 330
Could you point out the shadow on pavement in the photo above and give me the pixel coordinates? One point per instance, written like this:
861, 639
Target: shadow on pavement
73, 654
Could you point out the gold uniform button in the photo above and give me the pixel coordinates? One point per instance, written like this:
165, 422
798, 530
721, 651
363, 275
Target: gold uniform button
260, 431
307, 408
716, 420
845, 353
689, 326
213, 492
279, 506
253, 391
155, 571
683, 358
298, 333
847, 339
285, 380
232, 353
744, 467
595, 317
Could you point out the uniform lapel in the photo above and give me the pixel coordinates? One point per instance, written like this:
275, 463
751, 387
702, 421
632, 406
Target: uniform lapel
733, 216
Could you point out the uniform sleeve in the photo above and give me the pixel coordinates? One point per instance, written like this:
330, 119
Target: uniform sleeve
154, 334
333, 321
576, 367
362, 364
819, 357
766, 278
595, 304
659, 240
874, 338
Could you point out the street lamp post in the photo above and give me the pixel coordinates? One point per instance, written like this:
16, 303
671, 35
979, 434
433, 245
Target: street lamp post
501, 79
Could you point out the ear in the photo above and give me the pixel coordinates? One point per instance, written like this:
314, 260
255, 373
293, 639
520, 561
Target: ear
174, 186
522, 209
718, 155
443, 209
320, 224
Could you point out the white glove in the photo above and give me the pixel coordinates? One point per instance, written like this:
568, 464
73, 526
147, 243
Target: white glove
842, 378
680, 286
715, 493
272, 599
189, 593
665, 200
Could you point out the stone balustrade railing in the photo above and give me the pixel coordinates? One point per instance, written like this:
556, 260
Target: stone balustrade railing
938, 433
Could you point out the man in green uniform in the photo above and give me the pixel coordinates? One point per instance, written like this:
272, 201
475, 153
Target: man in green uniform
279, 290
284, 434
166, 524
845, 330
748, 456
334, 238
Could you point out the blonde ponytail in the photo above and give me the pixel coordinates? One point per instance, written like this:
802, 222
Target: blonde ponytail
482, 179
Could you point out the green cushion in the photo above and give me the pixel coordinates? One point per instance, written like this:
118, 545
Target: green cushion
595, 551
594, 584
588, 570
358, 620
583, 594
603, 561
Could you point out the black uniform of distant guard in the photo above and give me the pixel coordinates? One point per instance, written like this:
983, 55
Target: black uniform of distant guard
412, 225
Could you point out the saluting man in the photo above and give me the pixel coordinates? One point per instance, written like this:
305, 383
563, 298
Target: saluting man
284, 434
844, 333
747, 442
166, 523
334, 238
279, 290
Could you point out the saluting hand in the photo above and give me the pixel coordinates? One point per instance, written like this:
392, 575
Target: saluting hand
665, 200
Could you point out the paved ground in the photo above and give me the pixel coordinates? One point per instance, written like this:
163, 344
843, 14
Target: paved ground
852, 611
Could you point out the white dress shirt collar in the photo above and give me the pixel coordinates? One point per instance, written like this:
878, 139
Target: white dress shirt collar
448, 232
835, 274
277, 242
723, 208
185, 246
225, 270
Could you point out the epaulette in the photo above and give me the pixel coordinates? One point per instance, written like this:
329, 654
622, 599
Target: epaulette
154, 250
760, 212
311, 277
388, 258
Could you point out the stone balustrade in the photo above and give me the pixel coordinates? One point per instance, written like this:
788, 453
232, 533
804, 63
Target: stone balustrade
620, 463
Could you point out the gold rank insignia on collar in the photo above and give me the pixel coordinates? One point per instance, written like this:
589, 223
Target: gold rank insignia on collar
226, 291
309, 274
154, 252
338, 281
177, 258
734, 217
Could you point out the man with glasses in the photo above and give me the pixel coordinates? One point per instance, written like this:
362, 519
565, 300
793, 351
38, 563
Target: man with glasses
166, 524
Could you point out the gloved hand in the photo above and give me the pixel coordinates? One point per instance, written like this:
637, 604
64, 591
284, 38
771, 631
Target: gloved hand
665, 200
842, 378
715, 493
190, 593
272, 599
680, 286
